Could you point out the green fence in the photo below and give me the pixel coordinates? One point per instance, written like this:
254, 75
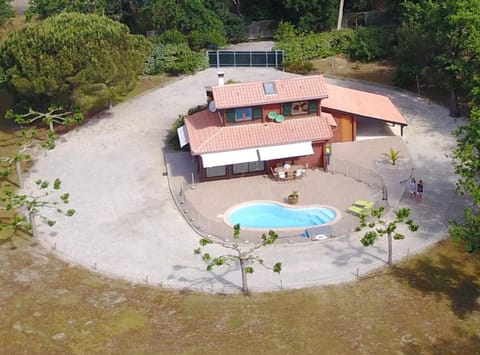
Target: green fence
224, 58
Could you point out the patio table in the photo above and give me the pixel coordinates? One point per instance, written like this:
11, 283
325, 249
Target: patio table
290, 172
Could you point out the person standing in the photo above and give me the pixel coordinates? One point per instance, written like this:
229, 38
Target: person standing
413, 188
419, 190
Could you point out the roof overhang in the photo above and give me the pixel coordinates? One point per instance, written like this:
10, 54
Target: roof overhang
210, 160
285, 151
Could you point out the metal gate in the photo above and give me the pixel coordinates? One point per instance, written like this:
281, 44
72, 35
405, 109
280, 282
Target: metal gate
225, 58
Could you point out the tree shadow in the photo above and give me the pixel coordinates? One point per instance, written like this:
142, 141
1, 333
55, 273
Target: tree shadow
445, 277
462, 343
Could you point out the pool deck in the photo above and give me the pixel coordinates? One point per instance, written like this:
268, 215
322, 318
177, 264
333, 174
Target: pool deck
205, 204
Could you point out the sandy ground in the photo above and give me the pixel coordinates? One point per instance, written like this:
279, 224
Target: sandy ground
128, 226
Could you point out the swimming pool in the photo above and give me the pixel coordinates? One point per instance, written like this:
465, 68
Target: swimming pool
274, 215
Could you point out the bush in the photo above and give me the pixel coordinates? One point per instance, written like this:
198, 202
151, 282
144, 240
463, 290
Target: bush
285, 31
174, 59
196, 109
298, 67
313, 45
171, 37
235, 28
370, 43
199, 39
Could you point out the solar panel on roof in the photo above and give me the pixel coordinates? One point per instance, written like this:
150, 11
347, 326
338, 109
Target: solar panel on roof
269, 88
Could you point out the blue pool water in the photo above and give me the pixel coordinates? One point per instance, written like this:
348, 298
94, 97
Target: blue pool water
272, 215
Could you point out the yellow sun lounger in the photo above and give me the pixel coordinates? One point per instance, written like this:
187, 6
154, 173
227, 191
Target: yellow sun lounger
359, 211
364, 204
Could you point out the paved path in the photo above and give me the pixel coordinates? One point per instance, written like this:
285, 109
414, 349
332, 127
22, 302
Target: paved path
128, 226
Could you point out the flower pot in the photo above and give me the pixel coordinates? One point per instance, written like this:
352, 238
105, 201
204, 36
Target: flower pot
293, 199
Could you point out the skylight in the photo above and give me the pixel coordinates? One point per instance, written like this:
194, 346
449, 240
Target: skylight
269, 88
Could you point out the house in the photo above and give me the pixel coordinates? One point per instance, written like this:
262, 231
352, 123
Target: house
250, 128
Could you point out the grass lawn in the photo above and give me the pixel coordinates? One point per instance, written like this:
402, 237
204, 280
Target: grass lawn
427, 304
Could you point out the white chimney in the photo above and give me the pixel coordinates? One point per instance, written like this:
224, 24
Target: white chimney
221, 79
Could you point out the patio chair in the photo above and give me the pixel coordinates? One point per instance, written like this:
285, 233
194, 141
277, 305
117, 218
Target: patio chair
274, 174
282, 175
357, 211
367, 205
298, 173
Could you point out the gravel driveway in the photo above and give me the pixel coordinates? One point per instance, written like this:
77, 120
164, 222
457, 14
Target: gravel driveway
128, 226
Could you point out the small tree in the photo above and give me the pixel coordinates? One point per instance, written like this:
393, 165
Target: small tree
378, 227
33, 204
243, 256
29, 141
55, 114
393, 156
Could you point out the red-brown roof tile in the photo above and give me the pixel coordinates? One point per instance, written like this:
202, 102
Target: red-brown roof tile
206, 135
362, 103
253, 94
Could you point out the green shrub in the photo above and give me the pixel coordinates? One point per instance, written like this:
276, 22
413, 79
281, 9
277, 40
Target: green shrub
235, 28
174, 59
285, 31
298, 67
403, 77
173, 36
213, 38
312, 45
370, 43
196, 109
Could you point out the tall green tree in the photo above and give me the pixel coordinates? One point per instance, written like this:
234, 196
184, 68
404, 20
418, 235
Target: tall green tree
466, 159
241, 254
46, 8
6, 11
310, 15
453, 27
73, 59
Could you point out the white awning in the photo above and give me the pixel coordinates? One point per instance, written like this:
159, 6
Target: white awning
183, 136
231, 157
285, 151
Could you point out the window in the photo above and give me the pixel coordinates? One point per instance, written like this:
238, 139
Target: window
299, 108
270, 88
243, 114
216, 171
243, 168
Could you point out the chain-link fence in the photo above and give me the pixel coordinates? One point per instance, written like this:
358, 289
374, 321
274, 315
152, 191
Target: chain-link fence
231, 58
359, 173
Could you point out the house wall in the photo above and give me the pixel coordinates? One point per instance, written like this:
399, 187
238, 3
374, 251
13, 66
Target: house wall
317, 160
272, 108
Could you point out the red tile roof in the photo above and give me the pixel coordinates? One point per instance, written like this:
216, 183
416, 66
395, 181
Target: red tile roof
206, 134
362, 103
253, 94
